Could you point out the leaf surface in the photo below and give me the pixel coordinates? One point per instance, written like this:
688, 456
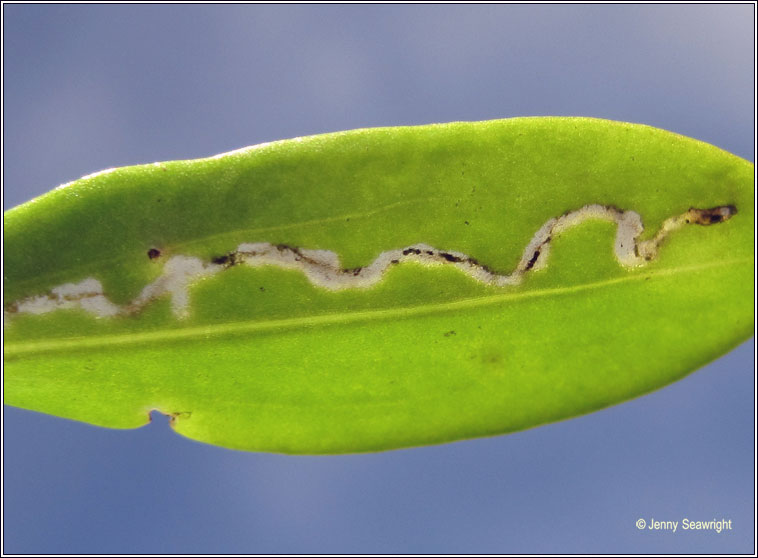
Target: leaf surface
381, 288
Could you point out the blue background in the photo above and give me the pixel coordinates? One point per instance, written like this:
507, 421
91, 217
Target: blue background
91, 87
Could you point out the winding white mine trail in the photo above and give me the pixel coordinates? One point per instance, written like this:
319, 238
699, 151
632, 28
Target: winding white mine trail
323, 269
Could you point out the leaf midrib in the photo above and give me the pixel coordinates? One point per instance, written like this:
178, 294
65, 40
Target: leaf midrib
236, 328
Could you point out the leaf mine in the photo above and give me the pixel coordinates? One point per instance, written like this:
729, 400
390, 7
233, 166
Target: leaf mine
323, 268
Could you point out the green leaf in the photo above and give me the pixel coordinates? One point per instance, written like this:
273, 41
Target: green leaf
381, 288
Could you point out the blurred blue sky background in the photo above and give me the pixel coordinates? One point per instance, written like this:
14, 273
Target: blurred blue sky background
88, 87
